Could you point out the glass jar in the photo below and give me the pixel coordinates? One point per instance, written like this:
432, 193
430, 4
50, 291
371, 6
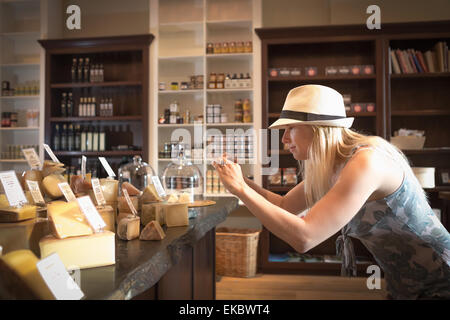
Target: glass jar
138, 173
182, 179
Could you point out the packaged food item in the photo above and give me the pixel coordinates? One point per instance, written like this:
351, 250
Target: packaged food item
344, 70
311, 71
275, 179
289, 176
331, 71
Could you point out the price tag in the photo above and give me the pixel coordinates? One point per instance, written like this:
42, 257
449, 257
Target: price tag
13, 190
98, 192
91, 213
58, 279
158, 186
107, 167
35, 192
50, 153
32, 158
83, 167
67, 191
130, 204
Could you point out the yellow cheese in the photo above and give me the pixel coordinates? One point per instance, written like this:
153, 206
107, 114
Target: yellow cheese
132, 190
4, 203
173, 198
19, 271
177, 215
128, 228
110, 189
32, 175
108, 215
12, 214
185, 197
150, 194
96, 250
67, 220
152, 211
50, 185
152, 231
123, 205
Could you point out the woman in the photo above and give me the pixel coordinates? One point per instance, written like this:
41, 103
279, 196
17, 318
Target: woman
360, 184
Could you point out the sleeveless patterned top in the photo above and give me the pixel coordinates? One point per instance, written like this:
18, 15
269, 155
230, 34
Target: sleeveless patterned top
406, 239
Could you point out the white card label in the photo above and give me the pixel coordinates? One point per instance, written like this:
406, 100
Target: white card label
67, 191
32, 158
83, 167
128, 199
50, 153
13, 190
35, 192
98, 193
91, 213
158, 186
58, 279
107, 167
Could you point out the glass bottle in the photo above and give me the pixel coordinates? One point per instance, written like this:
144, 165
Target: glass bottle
83, 139
69, 105
89, 139
56, 139
86, 70
77, 139
64, 138
101, 138
70, 138
73, 70
95, 139
64, 105
80, 70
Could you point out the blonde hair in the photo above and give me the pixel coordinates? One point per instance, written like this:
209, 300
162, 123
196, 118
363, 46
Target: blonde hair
331, 147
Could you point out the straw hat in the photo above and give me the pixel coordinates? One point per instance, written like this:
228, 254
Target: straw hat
313, 104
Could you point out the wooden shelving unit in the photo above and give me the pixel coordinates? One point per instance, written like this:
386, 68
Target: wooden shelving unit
413, 101
126, 81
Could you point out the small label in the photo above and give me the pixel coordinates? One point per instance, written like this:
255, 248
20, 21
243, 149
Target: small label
128, 199
58, 279
50, 153
67, 191
158, 186
98, 191
35, 192
13, 190
32, 158
107, 167
83, 167
91, 213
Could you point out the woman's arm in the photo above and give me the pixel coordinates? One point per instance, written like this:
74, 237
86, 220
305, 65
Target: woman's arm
357, 181
294, 201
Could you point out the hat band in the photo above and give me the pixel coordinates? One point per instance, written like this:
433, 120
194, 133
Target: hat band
305, 116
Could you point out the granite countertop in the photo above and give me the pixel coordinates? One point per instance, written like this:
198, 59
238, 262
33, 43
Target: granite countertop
140, 264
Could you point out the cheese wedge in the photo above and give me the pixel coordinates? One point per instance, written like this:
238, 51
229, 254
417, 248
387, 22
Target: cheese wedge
80, 185
96, 250
32, 175
150, 194
132, 190
152, 231
123, 205
153, 211
50, 186
20, 276
108, 215
177, 215
110, 189
12, 214
173, 198
67, 220
4, 203
128, 228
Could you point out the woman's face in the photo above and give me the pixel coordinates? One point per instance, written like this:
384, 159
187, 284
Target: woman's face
298, 138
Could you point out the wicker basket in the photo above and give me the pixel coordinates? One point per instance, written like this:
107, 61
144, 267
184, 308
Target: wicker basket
236, 252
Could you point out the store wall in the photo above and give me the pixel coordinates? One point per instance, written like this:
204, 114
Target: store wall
289, 13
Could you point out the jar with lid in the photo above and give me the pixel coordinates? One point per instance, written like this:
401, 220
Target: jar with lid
232, 47
212, 81
137, 172
220, 81
181, 179
225, 48
209, 48
217, 48
248, 47
239, 47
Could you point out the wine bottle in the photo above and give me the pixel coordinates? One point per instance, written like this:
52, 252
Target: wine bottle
69, 105
102, 141
83, 139
56, 139
77, 139
73, 70
89, 139
64, 105
70, 138
64, 138
95, 140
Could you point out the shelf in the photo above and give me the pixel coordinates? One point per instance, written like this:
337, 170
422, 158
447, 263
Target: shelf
13, 161
95, 84
186, 58
415, 113
178, 125
421, 75
230, 55
19, 64
230, 90
83, 119
180, 91
444, 150
230, 124
19, 97
321, 78
99, 154
19, 129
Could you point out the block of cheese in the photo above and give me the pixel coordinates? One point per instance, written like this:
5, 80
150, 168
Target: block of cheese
150, 194
152, 231
32, 175
132, 190
128, 228
110, 189
173, 198
108, 215
20, 276
153, 211
13, 214
96, 250
67, 220
4, 203
80, 185
123, 205
177, 215
50, 186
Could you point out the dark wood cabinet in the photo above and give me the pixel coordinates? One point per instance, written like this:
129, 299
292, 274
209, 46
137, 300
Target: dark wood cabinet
125, 64
414, 101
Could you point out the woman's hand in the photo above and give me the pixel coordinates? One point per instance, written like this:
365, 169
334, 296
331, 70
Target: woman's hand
230, 174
